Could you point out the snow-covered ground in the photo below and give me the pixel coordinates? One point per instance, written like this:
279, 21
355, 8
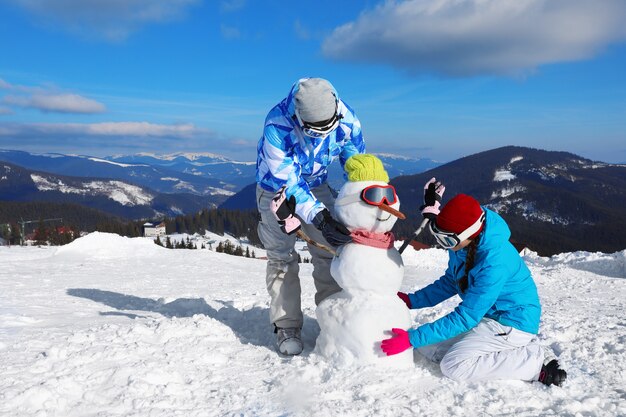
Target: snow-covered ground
111, 326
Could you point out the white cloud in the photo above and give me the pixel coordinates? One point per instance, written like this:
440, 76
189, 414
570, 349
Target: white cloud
125, 129
48, 99
474, 37
5, 111
59, 103
4, 85
120, 137
114, 20
140, 129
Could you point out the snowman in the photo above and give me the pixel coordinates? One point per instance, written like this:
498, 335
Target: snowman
369, 270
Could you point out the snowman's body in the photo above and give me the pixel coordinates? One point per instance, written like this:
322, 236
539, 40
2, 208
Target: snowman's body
354, 321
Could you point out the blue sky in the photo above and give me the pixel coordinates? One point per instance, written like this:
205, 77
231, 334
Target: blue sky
436, 79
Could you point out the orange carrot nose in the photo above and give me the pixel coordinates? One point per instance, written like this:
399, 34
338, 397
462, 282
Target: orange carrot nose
392, 210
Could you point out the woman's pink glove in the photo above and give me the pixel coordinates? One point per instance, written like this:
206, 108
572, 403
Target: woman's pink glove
397, 343
405, 297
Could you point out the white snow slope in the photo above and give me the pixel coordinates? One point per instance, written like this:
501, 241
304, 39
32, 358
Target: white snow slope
111, 326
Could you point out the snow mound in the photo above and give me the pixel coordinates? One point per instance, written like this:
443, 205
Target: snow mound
608, 265
99, 245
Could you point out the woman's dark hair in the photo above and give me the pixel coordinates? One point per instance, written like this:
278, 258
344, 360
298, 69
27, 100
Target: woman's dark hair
469, 264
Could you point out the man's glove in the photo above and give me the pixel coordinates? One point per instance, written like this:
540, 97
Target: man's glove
334, 232
405, 297
284, 209
433, 193
398, 343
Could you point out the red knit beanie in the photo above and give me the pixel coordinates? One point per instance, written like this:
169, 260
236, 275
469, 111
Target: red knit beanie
459, 214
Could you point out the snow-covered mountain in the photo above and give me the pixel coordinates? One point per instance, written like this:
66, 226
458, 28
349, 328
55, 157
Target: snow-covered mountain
194, 173
116, 326
243, 173
157, 177
553, 201
236, 174
111, 196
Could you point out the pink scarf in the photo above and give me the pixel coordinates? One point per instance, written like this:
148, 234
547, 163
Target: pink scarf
375, 240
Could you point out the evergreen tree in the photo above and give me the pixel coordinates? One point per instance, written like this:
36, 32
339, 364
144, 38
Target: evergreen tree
55, 237
158, 241
5, 232
16, 235
41, 234
229, 247
180, 225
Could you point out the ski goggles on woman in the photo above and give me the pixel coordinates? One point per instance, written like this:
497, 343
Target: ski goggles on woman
382, 196
448, 240
320, 129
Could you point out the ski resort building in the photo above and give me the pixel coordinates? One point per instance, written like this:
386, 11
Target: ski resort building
154, 230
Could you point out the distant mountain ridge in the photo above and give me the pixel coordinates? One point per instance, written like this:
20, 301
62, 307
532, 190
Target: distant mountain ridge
111, 196
162, 179
233, 175
204, 174
553, 201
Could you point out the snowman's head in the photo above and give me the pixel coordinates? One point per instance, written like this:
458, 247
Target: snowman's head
367, 201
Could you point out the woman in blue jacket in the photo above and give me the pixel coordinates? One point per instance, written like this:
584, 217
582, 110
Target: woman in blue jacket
492, 333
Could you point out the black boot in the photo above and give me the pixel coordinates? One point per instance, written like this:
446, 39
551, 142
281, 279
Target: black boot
552, 374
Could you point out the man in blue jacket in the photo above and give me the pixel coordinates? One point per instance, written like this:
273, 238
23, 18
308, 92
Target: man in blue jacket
303, 135
491, 334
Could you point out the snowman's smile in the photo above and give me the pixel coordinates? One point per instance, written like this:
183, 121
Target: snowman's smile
384, 220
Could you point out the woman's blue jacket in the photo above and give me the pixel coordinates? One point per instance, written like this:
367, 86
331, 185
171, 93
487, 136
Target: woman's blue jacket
500, 287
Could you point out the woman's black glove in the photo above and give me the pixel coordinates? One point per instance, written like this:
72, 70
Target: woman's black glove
433, 193
334, 232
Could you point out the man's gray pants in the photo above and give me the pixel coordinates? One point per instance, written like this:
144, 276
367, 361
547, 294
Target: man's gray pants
283, 282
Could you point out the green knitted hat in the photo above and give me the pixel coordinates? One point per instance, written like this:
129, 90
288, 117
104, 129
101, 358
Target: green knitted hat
365, 167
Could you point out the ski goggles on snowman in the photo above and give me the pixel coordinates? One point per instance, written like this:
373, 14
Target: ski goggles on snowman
448, 240
374, 195
381, 196
320, 129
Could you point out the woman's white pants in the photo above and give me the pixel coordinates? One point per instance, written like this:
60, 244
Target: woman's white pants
488, 351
